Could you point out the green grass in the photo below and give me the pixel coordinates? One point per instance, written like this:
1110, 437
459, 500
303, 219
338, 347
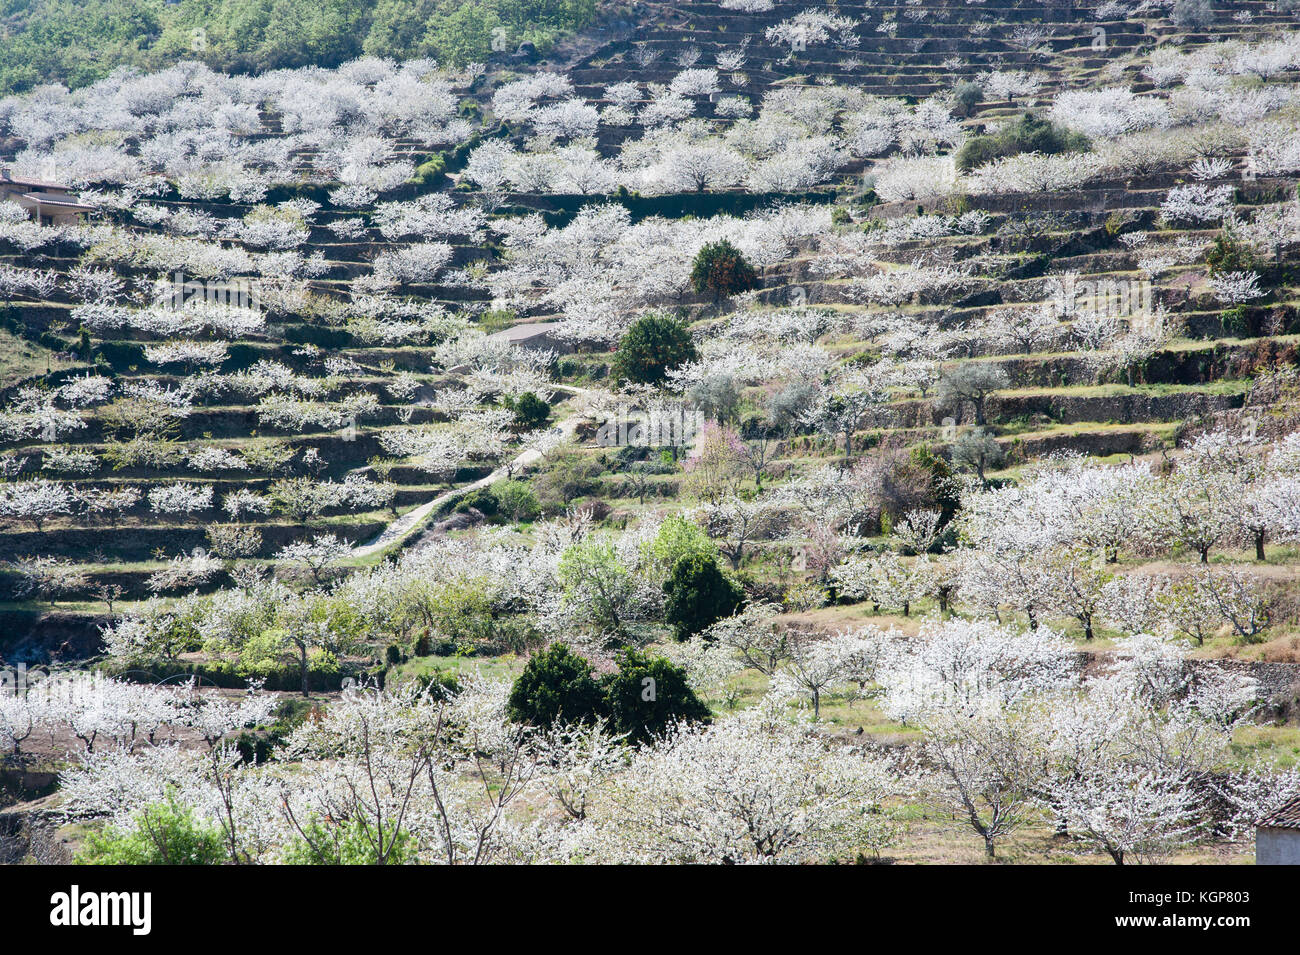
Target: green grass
1221, 386
21, 359
424, 668
1278, 746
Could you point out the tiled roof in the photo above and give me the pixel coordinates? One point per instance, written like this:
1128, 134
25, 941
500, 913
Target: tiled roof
46, 199
1287, 816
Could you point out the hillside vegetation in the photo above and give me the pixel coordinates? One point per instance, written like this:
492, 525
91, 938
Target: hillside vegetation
60, 41
770, 434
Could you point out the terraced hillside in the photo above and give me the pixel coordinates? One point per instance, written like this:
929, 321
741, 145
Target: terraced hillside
799, 347
343, 346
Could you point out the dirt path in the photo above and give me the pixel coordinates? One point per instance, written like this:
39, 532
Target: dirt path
403, 526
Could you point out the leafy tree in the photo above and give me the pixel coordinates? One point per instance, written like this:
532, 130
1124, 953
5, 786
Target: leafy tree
787, 407
968, 96
973, 383
80, 41
596, 584
699, 595
352, 843
944, 491
455, 608
977, 451
517, 500
720, 268
648, 695
165, 833
1229, 254
568, 474
530, 411
397, 27
717, 397
650, 348
677, 538
1030, 135
557, 686
1193, 13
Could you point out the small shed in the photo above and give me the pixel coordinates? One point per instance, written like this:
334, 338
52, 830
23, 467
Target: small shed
534, 335
1277, 836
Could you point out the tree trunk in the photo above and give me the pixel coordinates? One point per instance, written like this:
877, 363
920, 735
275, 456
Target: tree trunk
1205, 555
1259, 545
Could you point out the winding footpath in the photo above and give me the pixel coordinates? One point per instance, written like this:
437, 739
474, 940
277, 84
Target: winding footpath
404, 526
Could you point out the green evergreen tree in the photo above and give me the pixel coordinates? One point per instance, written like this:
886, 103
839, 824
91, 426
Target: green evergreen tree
650, 348
530, 411
557, 686
721, 269
699, 595
648, 695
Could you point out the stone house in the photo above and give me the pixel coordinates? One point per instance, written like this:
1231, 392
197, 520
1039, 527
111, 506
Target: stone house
1277, 836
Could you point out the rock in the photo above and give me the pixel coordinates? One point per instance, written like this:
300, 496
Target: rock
457, 522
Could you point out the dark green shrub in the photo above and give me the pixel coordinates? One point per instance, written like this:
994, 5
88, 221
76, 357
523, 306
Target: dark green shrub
482, 500
255, 748
430, 171
648, 695
650, 348
967, 96
557, 686
699, 595
1029, 135
1236, 322
530, 411
721, 269
1229, 254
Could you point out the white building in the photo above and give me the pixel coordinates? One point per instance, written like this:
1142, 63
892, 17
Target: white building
1277, 836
